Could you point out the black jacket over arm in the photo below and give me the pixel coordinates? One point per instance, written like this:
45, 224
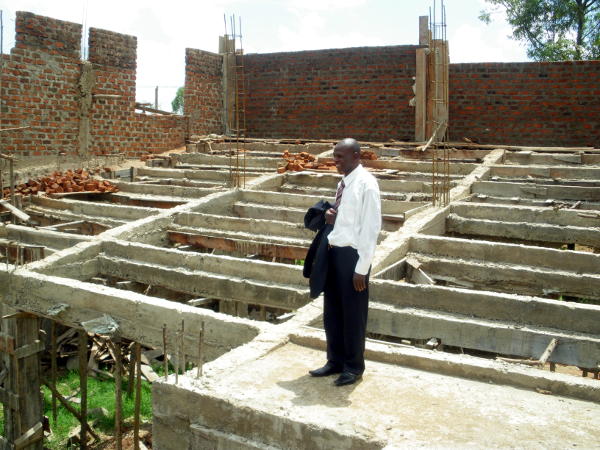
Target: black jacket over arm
315, 263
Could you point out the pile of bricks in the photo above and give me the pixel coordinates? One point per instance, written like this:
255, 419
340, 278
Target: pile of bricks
297, 162
79, 180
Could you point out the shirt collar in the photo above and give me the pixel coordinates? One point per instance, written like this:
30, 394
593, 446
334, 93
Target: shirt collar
353, 175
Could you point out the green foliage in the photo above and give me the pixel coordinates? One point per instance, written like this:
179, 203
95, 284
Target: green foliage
554, 30
177, 103
100, 394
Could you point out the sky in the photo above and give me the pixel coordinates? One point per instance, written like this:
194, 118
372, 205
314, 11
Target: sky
165, 29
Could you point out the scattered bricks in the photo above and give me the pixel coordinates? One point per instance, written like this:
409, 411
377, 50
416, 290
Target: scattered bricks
297, 162
59, 182
368, 154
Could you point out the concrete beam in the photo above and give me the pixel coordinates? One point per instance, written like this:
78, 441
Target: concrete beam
535, 232
225, 161
313, 148
183, 182
240, 224
207, 284
456, 168
511, 278
480, 334
547, 203
548, 172
146, 200
306, 201
225, 266
163, 190
552, 159
140, 317
529, 214
204, 175
533, 312
258, 245
536, 191
52, 239
505, 253
93, 209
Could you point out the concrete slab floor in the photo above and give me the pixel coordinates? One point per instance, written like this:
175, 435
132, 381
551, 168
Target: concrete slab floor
403, 407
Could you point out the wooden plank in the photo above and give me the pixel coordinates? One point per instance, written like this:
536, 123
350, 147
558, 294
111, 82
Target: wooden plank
551, 346
29, 349
154, 110
31, 436
7, 343
420, 277
15, 211
149, 373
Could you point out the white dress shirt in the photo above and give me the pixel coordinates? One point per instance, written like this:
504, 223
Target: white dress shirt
358, 219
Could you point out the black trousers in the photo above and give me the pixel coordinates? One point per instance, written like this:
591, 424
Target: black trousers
345, 312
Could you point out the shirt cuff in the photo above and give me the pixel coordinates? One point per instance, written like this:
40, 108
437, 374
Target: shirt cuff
362, 267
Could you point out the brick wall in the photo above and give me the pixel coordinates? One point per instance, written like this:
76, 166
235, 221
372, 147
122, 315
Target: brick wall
113, 56
156, 134
364, 92
41, 89
203, 101
359, 92
549, 104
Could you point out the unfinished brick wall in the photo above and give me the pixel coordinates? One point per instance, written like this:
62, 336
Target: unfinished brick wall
203, 97
41, 89
550, 104
364, 92
156, 134
113, 56
359, 92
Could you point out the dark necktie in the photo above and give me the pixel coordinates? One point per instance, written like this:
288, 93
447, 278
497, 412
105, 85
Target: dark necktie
338, 195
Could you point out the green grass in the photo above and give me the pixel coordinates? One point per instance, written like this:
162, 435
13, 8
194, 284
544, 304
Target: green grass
100, 394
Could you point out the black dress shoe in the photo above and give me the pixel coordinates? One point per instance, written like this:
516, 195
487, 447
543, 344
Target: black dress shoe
347, 378
326, 370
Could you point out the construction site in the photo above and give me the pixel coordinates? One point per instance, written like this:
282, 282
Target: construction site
184, 235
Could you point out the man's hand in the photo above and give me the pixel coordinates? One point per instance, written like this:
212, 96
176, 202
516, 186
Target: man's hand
359, 281
330, 216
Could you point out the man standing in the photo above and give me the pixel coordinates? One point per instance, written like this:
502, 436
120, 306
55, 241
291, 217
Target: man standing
356, 220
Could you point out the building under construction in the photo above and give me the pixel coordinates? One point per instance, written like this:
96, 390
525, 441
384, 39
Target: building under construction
184, 234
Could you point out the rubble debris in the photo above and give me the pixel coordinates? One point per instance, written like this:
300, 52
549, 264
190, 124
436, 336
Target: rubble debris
78, 180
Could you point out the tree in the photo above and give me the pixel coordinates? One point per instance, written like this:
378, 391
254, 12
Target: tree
177, 103
554, 30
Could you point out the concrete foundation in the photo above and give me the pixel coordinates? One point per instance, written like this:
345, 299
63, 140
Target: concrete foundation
508, 266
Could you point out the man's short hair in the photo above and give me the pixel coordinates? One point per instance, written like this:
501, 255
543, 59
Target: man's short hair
349, 143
